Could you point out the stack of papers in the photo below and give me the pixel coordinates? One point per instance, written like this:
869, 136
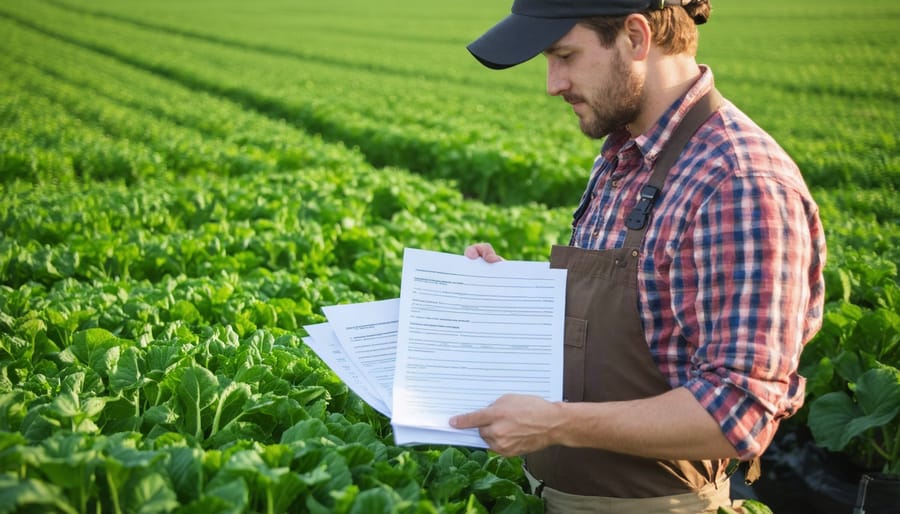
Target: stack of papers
462, 334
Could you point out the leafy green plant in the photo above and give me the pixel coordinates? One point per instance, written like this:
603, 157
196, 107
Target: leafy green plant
867, 415
851, 364
747, 507
168, 224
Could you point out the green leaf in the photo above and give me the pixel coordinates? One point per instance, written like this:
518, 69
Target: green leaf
837, 325
848, 366
16, 493
253, 375
356, 454
211, 504
451, 458
287, 487
127, 457
126, 373
221, 294
878, 393
35, 332
374, 501
92, 407
127, 470
342, 501
835, 418
149, 494
68, 410
231, 489
10, 440
231, 404
70, 461
96, 348
274, 411
838, 284
829, 417
363, 433
185, 467
120, 414
280, 485
309, 394
237, 431
66, 405
315, 476
36, 426
161, 359
495, 487
162, 414
339, 475
186, 311
308, 429
247, 462
197, 389
447, 486
877, 333
747, 507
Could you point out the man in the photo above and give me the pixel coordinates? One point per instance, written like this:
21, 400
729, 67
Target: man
694, 269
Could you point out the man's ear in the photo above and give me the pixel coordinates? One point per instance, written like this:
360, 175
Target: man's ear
638, 35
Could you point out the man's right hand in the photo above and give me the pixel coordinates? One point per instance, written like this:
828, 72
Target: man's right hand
483, 250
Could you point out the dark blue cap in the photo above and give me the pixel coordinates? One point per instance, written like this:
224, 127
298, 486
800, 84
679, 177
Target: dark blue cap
534, 25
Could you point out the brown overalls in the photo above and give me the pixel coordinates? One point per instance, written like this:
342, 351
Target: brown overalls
607, 359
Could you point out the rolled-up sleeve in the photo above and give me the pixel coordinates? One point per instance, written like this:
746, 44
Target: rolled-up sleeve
749, 293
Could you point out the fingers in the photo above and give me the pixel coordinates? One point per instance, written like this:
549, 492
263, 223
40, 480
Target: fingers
482, 420
483, 250
487, 430
471, 420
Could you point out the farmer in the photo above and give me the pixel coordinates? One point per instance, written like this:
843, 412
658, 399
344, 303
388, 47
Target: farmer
694, 269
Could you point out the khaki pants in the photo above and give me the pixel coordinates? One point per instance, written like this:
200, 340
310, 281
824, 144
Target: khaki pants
708, 499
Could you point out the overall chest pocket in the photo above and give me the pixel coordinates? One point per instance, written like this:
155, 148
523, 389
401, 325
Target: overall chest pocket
573, 359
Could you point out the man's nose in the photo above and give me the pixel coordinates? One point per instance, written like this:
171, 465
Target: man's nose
557, 83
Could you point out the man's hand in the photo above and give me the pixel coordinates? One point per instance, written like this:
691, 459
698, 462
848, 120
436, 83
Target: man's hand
483, 250
515, 424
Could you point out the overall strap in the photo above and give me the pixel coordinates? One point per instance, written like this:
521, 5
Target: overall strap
639, 218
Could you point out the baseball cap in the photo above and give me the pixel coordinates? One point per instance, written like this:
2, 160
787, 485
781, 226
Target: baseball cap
534, 25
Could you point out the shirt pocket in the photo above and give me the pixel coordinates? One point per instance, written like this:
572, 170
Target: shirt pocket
573, 359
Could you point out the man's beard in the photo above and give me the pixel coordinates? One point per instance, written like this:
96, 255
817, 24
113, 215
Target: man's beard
624, 97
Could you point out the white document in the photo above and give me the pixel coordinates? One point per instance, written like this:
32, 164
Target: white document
470, 332
324, 342
368, 332
415, 435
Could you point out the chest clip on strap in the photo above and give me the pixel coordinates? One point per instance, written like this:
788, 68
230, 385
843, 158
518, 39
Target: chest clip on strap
641, 213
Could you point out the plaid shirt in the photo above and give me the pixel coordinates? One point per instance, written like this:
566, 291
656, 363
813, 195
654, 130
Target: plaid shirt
730, 277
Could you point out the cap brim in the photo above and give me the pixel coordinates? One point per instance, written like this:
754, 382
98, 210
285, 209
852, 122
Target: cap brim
517, 39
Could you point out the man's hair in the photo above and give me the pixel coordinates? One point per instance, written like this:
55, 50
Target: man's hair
674, 28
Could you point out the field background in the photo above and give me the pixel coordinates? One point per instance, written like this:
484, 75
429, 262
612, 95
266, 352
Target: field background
186, 183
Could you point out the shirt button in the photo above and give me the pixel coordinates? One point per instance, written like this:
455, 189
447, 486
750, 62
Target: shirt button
614, 183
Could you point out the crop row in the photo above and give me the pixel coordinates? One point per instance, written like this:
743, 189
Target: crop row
150, 339
522, 147
486, 165
134, 124
198, 419
150, 343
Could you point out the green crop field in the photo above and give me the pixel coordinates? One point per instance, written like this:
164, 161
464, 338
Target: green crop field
185, 183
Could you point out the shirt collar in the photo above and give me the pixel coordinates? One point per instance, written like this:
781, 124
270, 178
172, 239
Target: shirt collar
651, 142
